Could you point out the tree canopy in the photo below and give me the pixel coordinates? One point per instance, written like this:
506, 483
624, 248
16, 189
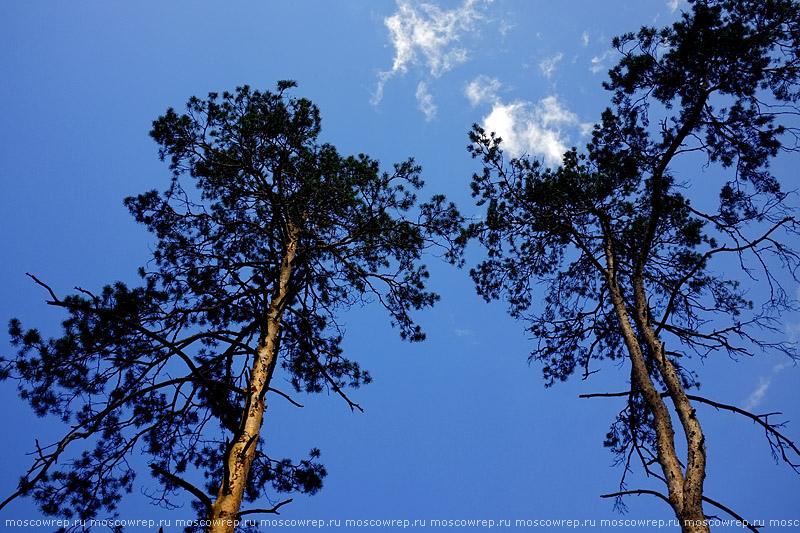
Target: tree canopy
632, 250
264, 237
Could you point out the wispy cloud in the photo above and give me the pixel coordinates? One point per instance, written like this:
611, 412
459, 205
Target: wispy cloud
757, 395
505, 26
585, 38
425, 35
675, 4
539, 129
548, 65
425, 101
754, 400
482, 89
598, 62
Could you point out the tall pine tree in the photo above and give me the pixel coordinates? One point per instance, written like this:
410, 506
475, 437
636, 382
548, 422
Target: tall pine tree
264, 237
631, 253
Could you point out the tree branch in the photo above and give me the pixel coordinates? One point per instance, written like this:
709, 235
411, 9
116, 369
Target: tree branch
276, 391
43, 284
274, 510
197, 493
637, 492
781, 443
782, 440
730, 512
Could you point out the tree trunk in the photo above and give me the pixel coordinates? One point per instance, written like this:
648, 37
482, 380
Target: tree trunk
241, 453
692, 510
684, 493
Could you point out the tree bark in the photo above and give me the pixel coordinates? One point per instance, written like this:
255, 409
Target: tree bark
692, 510
242, 451
685, 493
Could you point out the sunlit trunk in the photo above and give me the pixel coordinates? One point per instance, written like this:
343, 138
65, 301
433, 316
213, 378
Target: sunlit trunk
684, 493
691, 512
242, 452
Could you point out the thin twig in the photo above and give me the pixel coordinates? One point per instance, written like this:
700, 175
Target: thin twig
637, 492
730, 512
274, 510
199, 494
270, 389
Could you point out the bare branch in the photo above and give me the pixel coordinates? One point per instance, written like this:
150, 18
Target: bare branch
780, 444
197, 493
781, 441
274, 510
637, 492
733, 514
276, 391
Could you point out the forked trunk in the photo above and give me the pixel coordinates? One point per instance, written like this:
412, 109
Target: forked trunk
685, 492
691, 513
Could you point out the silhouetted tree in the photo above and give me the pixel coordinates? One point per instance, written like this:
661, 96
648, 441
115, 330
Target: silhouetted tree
626, 257
252, 267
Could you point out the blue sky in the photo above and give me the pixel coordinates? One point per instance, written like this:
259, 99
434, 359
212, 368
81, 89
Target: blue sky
458, 427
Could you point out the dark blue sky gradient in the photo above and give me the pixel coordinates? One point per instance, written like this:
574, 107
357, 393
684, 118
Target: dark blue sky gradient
458, 427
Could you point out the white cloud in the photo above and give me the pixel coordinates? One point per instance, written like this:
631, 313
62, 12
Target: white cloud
757, 395
505, 26
598, 62
674, 4
424, 34
760, 391
535, 129
553, 113
482, 89
548, 65
425, 101
585, 38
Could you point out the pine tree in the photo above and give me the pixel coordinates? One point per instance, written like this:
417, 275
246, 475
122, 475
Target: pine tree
264, 237
632, 254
